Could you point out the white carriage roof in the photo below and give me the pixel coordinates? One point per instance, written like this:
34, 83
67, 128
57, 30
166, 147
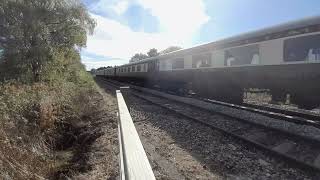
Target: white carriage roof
274, 29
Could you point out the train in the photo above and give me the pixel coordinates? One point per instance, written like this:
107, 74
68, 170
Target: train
285, 59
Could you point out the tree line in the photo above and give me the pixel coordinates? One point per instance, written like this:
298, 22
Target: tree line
140, 56
153, 53
40, 37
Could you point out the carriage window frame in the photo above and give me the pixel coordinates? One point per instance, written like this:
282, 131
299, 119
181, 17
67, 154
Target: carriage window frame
303, 48
164, 64
238, 54
205, 57
139, 68
177, 63
145, 67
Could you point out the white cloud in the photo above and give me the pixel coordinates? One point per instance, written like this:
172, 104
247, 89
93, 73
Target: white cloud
115, 40
121, 7
179, 17
179, 20
91, 63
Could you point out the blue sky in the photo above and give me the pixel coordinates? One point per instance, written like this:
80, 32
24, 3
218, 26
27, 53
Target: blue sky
126, 27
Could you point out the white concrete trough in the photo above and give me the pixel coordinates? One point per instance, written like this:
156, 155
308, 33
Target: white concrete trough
134, 164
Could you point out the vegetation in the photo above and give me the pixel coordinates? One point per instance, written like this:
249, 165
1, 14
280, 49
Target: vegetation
170, 49
35, 34
153, 53
44, 89
138, 57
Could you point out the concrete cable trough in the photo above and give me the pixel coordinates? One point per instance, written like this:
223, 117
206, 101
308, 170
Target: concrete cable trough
134, 164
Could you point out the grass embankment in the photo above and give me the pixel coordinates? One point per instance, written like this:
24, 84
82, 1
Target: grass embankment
44, 126
48, 101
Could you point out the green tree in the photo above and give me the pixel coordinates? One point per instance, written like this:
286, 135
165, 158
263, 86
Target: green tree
138, 57
36, 33
153, 52
170, 49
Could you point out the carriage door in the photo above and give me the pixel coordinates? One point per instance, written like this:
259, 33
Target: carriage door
153, 66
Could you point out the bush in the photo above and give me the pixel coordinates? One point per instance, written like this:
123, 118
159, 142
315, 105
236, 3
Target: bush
42, 82
29, 120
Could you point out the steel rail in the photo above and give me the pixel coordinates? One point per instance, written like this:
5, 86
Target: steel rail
281, 155
285, 157
273, 113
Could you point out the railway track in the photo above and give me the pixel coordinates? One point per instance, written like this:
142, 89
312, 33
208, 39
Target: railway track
281, 114
298, 117
295, 149
302, 114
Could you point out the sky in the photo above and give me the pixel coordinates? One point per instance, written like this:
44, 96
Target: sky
126, 27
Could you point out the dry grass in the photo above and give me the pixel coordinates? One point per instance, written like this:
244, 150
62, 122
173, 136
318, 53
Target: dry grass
44, 128
24, 150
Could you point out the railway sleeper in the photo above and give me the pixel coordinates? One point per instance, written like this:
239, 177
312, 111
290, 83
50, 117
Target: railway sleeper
304, 154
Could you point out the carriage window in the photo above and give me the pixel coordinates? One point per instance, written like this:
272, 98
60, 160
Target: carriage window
138, 67
306, 48
146, 67
133, 68
178, 63
242, 56
163, 64
201, 60
142, 67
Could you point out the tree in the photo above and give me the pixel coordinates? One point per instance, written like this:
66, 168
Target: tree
34, 33
138, 57
170, 49
153, 52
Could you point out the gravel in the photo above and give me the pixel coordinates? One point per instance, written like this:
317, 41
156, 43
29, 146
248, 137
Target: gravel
263, 99
303, 130
182, 149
